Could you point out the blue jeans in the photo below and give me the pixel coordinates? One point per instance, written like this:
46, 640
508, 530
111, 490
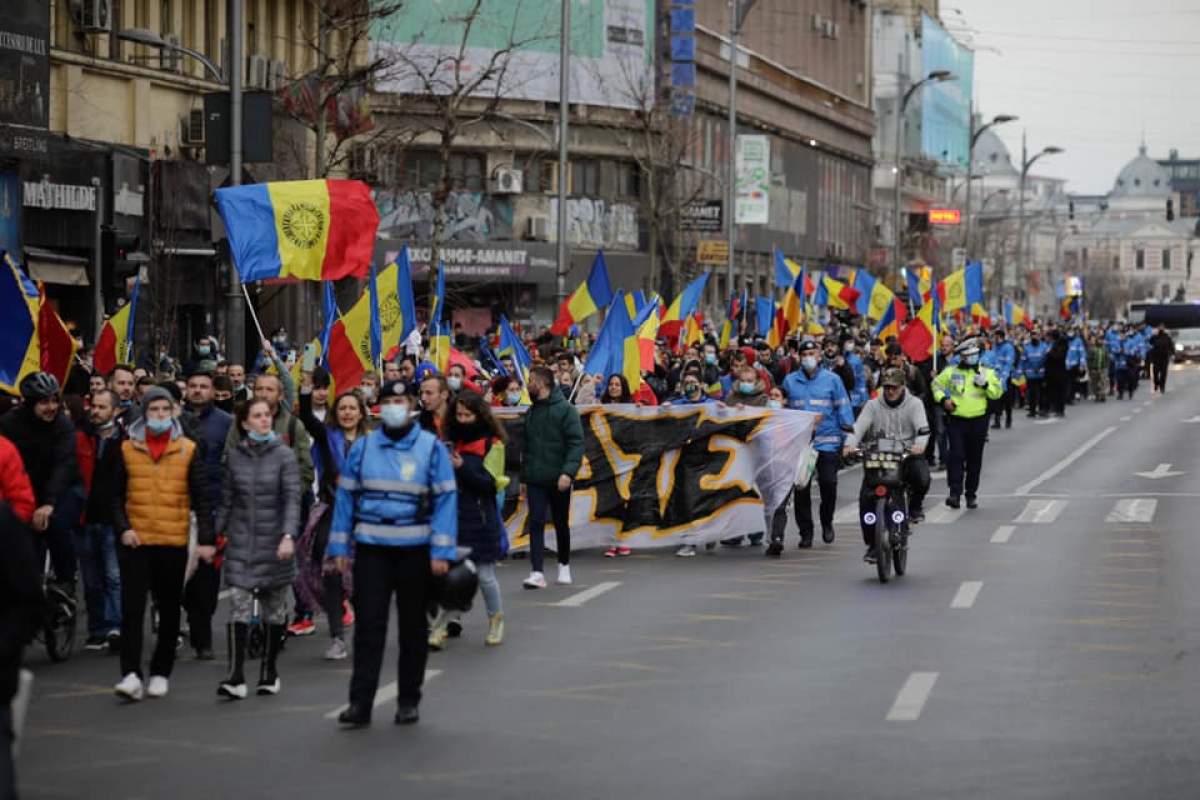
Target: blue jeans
96, 549
489, 587
558, 504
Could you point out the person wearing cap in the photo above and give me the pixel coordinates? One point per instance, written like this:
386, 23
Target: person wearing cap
398, 502
158, 482
899, 415
963, 391
816, 389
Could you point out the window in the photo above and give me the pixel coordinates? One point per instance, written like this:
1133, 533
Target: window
537, 173
1166, 259
585, 177
423, 171
1140, 259
629, 180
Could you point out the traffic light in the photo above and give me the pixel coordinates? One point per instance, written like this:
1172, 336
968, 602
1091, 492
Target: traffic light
1170, 210
1071, 210
115, 249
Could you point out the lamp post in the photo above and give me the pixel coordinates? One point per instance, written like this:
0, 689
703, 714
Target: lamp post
936, 76
564, 97
999, 119
1027, 161
152, 39
738, 9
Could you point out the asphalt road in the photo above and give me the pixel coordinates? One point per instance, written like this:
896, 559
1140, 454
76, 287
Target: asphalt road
1043, 646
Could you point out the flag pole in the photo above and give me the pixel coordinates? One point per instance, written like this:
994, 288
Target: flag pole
253, 315
575, 388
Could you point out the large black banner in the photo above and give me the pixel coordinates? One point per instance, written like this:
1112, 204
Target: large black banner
25, 62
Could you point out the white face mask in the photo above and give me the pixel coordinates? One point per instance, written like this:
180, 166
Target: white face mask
395, 415
454, 382
809, 363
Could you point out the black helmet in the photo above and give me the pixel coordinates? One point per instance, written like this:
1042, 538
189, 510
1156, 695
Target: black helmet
38, 386
455, 590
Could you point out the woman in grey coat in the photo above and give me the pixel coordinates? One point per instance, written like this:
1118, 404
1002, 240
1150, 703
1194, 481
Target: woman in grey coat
260, 507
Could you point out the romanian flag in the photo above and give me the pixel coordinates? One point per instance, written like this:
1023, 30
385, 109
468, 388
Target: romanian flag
875, 298
920, 285
786, 271
813, 328
1015, 315
591, 296
318, 230
329, 306
980, 316
727, 328
350, 347
115, 345
892, 321
693, 333
511, 346
835, 294
459, 358
962, 288
778, 331
56, 343
19, 354
646, 326
917, 339
439, 337
683, 306
764, 315
616, 350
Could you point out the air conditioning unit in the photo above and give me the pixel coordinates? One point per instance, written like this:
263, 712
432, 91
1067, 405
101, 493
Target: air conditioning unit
92, 16
276, 75
256, 72
835, 30
507, 181
169, 57
818, 24
537, 229
191, 128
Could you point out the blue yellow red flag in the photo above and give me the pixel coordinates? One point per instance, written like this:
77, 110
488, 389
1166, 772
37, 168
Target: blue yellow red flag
589, 297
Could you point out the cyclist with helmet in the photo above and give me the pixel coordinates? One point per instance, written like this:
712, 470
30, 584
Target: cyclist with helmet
45, 438
964, 390
896, 414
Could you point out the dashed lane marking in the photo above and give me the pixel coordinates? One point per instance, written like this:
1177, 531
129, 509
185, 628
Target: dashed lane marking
386, 693
910, 701
1133, 509
1041, 512
1126, 418
943, 515
1003, 534
576, 600
1066, 462
967, 594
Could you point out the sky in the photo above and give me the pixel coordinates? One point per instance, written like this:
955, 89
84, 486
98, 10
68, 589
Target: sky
1089, 76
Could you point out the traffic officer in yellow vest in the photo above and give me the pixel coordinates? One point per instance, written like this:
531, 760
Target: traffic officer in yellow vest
964, 390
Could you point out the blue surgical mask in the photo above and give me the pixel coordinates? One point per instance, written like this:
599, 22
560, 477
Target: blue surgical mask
710, 358
512, 398
158, 426
746, 387
394, 415
809, 363
774, 404
125, 403
970, 361
454, 382
203, 350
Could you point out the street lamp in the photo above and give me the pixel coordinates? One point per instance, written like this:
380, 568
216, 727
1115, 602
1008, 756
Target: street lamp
999, 119
1027, 161
936, 76
738, 9
152, 39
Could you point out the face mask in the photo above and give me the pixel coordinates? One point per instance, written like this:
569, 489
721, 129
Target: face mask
512, 398
691, 390
261, 438
809, 363
368, 395
745, 387
970, 361
848, 347
774, 404
279, 341
125, 403
710, 358
203, 350
158, 426
395, 415
104, 426
455, 383
894, 403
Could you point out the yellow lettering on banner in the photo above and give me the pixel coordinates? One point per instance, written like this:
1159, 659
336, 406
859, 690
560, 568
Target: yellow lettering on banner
712, 251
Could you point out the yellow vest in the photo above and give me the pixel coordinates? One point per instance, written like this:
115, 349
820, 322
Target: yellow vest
970, 401
157, 501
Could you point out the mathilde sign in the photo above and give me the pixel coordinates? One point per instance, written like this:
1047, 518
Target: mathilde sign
63, 196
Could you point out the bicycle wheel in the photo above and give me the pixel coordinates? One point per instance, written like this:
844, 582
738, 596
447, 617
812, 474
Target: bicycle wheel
900, 556
60, 632
883, 547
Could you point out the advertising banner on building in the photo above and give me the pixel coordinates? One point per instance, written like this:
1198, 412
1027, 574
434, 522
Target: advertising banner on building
513, 50
702, 215
25, 63
666, 476
753, 164
945, 105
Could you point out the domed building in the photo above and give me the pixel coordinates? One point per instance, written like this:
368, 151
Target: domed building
1142, 185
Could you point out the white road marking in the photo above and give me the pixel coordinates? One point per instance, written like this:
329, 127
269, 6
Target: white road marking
1066, 462
1134, 509
943, 515
1126, 418
1041, 512
1161, 471
965, 597
1051, 421
1137, 410
911, 699
385, 694
846, 514
576, 600
1003, 534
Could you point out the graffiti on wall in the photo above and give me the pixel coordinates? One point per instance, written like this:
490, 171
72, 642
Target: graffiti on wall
597, 223
469, 216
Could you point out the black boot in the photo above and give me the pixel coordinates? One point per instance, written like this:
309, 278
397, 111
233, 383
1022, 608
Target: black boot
355, 716
234, 686
775, 548
268, 682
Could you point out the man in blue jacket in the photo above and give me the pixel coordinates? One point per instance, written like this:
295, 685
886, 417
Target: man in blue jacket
1002, 358
818, 390
1033, 364
397, 499
1076, 366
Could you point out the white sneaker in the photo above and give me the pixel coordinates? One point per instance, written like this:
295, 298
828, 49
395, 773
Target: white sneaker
564, 575
536, 580
156, 686
130, 687
687, 551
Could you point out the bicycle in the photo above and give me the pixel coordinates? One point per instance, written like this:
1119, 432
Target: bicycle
882, 461
58, 629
